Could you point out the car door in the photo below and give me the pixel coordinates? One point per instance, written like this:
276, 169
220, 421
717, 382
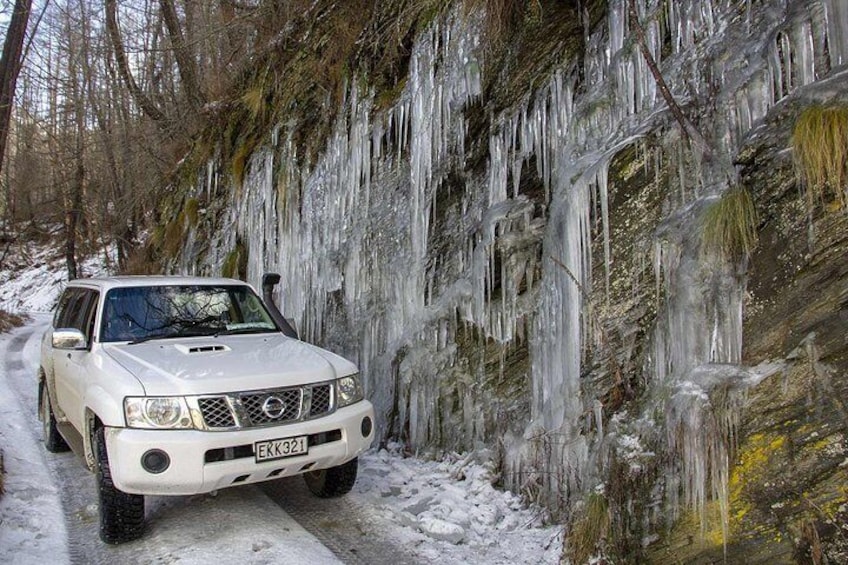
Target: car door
69, 365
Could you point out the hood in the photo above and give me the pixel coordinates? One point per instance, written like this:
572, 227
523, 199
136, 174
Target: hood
207, 365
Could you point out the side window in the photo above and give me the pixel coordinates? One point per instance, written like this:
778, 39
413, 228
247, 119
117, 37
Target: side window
69, 308
89, 311
62, 307
77, 310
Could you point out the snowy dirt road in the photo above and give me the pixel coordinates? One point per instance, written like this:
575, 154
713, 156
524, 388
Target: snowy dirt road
402, 510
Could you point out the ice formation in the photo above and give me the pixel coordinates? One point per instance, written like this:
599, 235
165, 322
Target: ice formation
352, 234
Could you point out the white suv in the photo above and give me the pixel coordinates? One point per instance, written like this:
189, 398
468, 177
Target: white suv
178, 385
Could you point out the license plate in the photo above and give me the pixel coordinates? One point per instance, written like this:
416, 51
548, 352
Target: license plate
280, 448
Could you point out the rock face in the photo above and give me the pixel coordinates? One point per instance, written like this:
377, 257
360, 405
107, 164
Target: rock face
787, 482
788, 489
511, 248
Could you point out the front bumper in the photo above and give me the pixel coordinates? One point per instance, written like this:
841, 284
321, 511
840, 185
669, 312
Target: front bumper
203, 461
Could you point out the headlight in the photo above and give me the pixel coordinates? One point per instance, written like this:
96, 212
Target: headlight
349, 390
157, 413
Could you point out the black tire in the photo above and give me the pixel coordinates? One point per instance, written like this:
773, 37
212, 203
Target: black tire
332, 482
121, 514
53, 440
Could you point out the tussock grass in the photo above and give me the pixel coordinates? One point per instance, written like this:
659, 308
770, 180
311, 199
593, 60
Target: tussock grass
238, 166
820, 145
174, 235
590, 530
255, 99
729, 227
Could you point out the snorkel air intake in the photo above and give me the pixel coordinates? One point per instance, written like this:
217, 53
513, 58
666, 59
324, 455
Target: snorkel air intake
269, 281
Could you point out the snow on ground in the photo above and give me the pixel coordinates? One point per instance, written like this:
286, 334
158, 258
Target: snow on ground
448, 511
32, 529
445, 511
34, 276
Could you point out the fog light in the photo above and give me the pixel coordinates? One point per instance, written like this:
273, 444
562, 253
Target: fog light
366, 426
155, 461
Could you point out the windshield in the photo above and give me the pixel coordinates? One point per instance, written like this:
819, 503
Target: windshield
146, 312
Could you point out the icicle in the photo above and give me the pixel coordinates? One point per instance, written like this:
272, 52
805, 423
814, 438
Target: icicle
836, 15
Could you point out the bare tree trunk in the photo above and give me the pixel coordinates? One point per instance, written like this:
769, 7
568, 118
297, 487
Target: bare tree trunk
76, 82
10, 66
185, 59
126, 194
72, 217
124, 234
231, 43
138, 95
97, 108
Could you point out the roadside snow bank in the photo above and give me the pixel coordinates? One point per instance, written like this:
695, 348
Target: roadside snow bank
449, 510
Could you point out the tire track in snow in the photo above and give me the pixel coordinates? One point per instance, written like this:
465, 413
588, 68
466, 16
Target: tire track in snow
60, 465
21, 384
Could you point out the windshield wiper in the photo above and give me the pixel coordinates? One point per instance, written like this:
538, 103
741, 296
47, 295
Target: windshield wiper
202, 331
252, 330
190, 332
198, 331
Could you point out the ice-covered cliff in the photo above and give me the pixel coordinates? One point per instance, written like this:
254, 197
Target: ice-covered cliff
514, 257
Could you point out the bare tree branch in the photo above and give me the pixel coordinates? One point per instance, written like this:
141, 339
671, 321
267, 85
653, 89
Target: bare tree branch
138, 95
690, 132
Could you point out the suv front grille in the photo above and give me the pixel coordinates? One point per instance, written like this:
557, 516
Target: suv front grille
216, 412
320, 399
265, 407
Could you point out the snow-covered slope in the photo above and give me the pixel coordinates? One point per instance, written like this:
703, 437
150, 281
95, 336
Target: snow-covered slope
32, 276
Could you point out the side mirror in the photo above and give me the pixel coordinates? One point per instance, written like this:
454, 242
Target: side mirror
69, 338
269, 281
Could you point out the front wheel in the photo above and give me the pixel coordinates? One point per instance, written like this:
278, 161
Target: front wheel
332, 482
53, 440
121, 513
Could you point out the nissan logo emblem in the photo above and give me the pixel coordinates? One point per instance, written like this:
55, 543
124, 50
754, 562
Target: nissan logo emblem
273, 407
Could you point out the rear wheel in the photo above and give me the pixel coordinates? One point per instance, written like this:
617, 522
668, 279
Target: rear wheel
53, 440
332, 482
121, 513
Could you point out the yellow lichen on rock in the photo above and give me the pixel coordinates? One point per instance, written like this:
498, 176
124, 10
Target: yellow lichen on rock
753, 461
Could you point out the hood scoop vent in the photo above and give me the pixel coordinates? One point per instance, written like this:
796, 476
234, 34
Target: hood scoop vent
200, 349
